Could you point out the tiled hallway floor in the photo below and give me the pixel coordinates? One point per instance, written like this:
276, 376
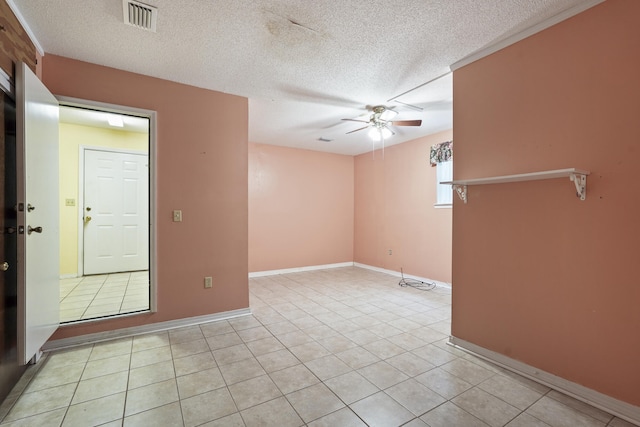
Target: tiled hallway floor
342, 347
89, 297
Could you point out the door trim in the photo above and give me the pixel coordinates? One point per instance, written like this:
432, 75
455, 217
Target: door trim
153, 165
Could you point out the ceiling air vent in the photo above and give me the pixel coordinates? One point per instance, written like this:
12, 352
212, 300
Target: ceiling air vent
140, 15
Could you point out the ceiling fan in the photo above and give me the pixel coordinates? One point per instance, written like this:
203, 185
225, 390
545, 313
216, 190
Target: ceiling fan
380, 121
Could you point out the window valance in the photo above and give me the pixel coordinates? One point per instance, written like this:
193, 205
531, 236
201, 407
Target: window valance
442, 152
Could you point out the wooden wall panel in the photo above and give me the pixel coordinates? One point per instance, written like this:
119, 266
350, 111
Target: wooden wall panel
15, 44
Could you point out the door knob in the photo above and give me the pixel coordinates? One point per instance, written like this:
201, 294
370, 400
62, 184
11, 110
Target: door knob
87, 219
30, 208
31, 229
4, 266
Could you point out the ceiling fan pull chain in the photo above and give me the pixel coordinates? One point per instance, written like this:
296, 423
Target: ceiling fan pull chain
373, 148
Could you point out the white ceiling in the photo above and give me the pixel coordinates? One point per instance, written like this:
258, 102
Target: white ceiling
304, 65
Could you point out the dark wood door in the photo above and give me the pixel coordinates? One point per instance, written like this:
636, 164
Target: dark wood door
10, 370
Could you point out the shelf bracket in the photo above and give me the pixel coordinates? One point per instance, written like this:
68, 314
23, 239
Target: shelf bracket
462, 191
580, 180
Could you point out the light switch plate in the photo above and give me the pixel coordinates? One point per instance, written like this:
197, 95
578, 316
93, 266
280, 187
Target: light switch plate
177, 216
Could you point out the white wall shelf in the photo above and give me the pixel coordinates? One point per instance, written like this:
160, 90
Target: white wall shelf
578, 176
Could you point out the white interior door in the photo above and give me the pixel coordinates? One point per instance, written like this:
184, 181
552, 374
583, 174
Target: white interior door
116, 211
38, 215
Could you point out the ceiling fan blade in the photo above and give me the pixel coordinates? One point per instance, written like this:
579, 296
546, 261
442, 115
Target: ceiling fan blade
407, 123
355, 120
357, 130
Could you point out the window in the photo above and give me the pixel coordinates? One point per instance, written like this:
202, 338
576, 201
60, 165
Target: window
444, 192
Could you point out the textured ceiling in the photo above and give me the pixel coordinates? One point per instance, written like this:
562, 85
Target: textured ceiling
303, 65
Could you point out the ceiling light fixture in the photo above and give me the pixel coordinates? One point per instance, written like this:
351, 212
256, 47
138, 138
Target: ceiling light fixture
115, 121
379, 132
379, 120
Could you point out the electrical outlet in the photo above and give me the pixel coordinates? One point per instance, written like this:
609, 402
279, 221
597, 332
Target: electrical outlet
69, 202
208, 282
177, 216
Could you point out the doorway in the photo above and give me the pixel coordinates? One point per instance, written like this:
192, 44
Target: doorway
10, 370
106, 212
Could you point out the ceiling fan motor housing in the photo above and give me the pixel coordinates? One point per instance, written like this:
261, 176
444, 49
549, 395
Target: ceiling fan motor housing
382, 114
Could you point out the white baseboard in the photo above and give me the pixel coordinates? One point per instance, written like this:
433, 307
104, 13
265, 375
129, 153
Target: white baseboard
608, 404
398, 274
299, 269
139, 330
346, 264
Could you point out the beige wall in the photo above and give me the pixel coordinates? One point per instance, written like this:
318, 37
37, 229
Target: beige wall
394, 198
300, 208
201, 169
538, 275
71, 138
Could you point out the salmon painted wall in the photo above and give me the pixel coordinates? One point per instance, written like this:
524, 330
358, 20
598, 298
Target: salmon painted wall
202, 139
394, 198
538, 275
300, 208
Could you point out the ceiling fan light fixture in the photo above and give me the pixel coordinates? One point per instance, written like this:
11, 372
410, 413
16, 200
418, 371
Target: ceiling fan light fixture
379, 133
388, 115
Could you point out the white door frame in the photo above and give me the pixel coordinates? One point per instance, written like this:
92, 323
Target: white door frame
82, 150
153, 158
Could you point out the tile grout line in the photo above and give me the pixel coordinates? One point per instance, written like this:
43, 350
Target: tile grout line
301, 294
346, 405
66, 412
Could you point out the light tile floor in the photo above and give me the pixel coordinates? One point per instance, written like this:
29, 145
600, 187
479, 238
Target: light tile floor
342, 347
89, 297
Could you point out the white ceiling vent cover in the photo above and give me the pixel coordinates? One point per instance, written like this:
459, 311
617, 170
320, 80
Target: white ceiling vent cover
140, 15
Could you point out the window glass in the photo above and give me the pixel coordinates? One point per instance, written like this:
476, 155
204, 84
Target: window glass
444, 192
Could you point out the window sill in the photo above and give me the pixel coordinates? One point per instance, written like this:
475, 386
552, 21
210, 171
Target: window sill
443, 205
